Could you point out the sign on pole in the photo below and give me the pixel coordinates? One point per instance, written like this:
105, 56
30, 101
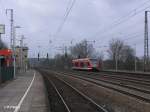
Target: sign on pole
2, 29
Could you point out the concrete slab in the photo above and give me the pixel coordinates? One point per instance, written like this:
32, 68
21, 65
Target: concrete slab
26, 93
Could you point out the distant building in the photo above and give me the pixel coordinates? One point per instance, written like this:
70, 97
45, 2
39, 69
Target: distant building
22, 58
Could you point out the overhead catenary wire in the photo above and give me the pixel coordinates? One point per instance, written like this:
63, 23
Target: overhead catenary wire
124, 36
133, 11
68, 11
124, 19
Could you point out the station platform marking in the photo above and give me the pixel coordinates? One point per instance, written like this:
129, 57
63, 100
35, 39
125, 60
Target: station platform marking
17, 108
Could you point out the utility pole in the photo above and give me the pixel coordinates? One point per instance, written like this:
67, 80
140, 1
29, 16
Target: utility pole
12, 26
135, 60
146, 46
14, 48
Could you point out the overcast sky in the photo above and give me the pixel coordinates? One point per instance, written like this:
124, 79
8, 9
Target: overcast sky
97, 20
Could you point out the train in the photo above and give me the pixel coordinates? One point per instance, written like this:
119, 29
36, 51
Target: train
86, 64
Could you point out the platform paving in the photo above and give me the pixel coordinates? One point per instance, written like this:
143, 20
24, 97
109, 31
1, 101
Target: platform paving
26, 93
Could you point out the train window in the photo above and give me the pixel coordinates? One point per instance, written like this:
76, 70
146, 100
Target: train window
76, 64
82, 64
88, 64
85, 64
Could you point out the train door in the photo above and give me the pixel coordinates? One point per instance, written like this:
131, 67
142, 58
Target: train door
82, 64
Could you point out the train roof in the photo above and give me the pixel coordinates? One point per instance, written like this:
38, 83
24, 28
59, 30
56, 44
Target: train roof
84, 59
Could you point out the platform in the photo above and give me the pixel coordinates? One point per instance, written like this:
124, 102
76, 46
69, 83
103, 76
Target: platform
26, 93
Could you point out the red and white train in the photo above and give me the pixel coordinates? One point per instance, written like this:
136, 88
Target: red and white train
86, 64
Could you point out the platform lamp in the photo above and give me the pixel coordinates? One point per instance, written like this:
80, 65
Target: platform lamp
14, 48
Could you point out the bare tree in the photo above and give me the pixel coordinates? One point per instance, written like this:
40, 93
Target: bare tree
82, 50
127, 53
123, 53
128, 57
115, 49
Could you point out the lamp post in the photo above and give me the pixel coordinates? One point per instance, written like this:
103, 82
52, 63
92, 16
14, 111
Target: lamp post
14, 48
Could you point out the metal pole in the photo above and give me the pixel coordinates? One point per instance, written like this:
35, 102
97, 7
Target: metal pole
12, 39
14, 50
21, 53
146, 46
12, 26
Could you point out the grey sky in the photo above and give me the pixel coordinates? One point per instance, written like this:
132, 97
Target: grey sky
89, 19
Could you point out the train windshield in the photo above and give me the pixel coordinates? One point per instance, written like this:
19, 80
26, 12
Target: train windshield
94, 62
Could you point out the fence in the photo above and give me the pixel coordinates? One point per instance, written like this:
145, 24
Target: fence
6, 74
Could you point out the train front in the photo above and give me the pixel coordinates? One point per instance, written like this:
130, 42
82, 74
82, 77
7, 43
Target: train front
95, 64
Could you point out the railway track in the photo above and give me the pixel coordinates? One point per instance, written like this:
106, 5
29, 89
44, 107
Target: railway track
120, 84
129, 74
137, 93
125, 77
57, 104
67, 97
131, 84
142, 83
